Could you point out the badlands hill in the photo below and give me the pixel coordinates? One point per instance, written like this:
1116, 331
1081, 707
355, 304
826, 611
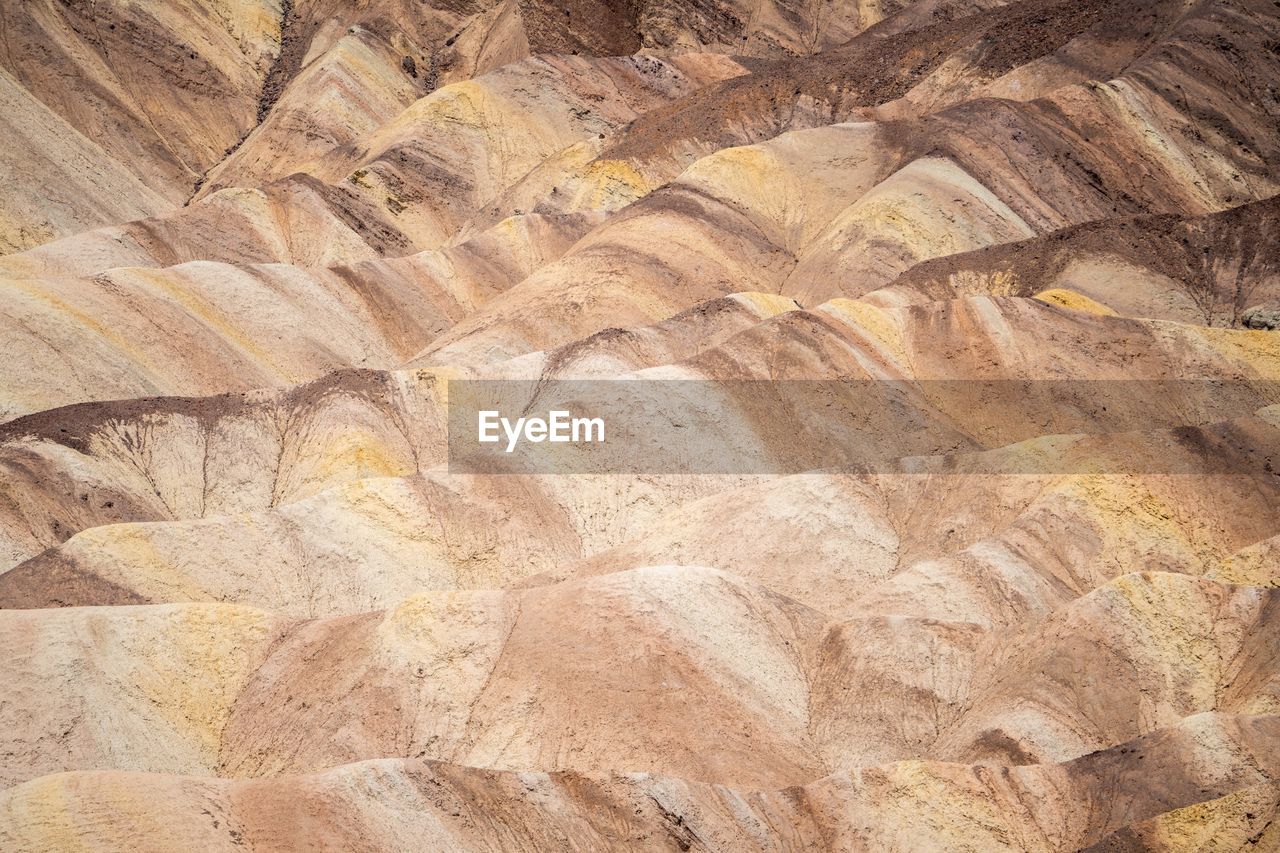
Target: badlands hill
246, 604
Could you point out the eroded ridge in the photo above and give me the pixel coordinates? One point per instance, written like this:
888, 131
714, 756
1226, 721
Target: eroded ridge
257, 251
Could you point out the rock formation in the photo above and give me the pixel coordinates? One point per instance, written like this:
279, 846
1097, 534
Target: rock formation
247, 602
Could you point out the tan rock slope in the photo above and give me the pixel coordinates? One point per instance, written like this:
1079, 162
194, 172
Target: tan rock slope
250, 599
906, 805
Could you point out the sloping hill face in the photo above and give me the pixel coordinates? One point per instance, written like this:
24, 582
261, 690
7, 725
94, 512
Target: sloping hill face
252, 596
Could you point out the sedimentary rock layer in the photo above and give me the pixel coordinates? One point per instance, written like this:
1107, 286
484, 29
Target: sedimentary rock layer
251, 598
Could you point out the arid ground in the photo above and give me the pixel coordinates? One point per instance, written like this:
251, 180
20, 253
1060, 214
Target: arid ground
246, 604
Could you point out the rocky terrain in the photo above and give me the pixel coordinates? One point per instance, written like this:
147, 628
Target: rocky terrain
246, 602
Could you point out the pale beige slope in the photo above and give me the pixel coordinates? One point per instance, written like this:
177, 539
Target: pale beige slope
988, 538
1256, 564
164, 88
1081, 531
1139, 653
56, 180
810, 682
1021, 742
204, 95
151, 690
197, 96
184, 458
1016, 566
345, 69
1167, 778
710, 677
406, 187
74, 468
196, 328
929, 208
618, 351
845, 543
990, 340
340, 70
1010, 337
760, 218
1241, 820
358, 68
461, 147
293, 221
356, 85
685, 243
752, 631
1114, 18
916, 662
925, 58
983, 808
1135, 654
479, 676
387, 218
848, 235
1206, 270
202, 327
977, 337
361, 546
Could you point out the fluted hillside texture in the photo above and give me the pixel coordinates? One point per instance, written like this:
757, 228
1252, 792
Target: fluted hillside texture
246, 604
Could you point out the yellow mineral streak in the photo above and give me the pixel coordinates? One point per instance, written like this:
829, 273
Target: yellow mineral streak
1239, 821
467, 104
431, 622
1178, 636
1258, 350
46, 805
36, 291
749, 173
998, 283
1132, 519
1257, 565
956, 816
356, 453
1064, 298
194, 665
605, 182
135, 561
217, 319
876, 323
766, 305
